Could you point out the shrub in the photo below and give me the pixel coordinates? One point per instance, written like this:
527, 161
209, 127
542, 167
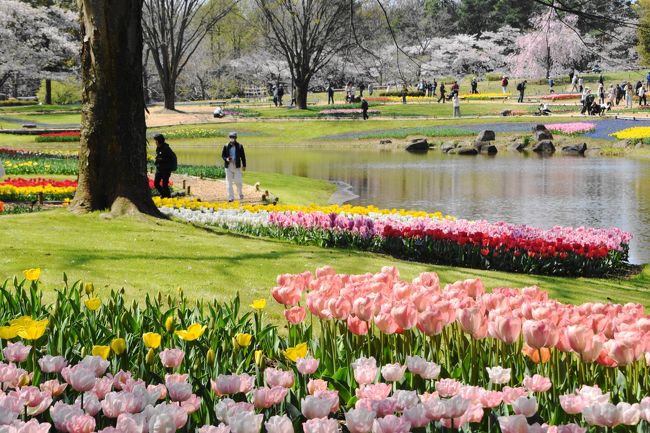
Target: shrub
63, 92
16, 103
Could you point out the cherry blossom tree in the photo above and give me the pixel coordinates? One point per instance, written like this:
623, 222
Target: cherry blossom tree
35, 42
552, 48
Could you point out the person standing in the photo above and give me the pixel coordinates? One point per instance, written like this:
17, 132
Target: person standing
455, 101
280, 94
647, 81
165, 163
330, 94
234, 159
364, 108
521, 87
442, 93
504, 84
405, 91
370, 89
275, 95
581, 85
587, 99
362, 87
474, 86
551, 84
574, 83
613, 92
601, 93
434, 87
642, 98
629, 91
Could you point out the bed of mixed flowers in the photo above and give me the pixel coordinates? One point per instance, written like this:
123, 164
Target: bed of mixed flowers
425, 238
19, 189
369, 353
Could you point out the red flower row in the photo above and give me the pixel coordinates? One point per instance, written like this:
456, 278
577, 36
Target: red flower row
24, 183
61, 134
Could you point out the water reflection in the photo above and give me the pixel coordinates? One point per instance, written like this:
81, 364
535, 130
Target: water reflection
599, 192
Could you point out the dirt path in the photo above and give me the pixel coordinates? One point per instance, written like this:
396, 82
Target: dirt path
213, 190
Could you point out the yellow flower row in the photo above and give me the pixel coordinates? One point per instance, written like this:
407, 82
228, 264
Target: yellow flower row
485, 95
254, 208
9, 164
635, 133
25, 190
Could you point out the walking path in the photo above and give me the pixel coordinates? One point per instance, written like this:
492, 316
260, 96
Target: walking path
213, 190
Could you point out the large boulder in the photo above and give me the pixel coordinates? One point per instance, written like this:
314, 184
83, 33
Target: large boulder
575, 150
485, 135
418, 145
519, 146
545, 146
446, 147
543, 135
539, 127
385, 141
485, 147
464, 151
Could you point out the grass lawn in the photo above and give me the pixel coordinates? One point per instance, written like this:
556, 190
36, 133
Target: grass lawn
148, 256
292, 189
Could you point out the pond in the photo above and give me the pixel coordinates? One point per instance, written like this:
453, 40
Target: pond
525, 189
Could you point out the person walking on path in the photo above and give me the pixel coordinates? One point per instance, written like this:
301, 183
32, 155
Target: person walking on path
280, 94
330, 94
234, 159
442, 93
581, 85
521, 87
455, 100
613, 92
165, 162
551, 84
275, 95
642, 98
504, 84
574, 83
364, 108
601, 93
629, 91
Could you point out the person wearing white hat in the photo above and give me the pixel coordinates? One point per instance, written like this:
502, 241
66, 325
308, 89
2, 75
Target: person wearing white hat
234, 159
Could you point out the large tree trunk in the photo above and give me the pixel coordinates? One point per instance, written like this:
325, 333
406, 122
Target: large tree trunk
169, 91
48, 92
113, 153
302, 88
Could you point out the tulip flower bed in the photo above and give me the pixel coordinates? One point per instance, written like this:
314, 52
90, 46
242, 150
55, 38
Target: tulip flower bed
575, 128
21, 166
62, 137
477, 244
484, 96
30, 154
561, 96
635, 133
389, 356
19, 189
343, 112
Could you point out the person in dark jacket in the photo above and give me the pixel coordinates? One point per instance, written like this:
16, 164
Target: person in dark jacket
442, 93
165, 163
364, 108
521, 87
330, 94
234, 159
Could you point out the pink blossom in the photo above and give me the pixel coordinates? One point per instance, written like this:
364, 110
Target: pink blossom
52, 364
171, 358
448, 387
513, 424
307, 365
391, 424
278, 424
53, 387
320, 425
315, 385
526, 406
274, 377
365, 370
498, 375
96, 364
16, 352
80, 424
376, 391
264, 398
537, 383
359, 420
295, 315
317, 407
222, 428
393, 372
81, 379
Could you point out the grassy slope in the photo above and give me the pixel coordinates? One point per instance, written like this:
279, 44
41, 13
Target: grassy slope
292, 189
147, 256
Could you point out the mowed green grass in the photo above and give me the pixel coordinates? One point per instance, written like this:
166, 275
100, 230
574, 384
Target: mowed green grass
144, 255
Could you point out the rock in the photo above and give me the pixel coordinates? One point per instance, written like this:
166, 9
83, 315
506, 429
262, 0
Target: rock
543, 135
639, 146
620, 144
486, 135
506, 113
575, 150
485, 147
545, 146
446, 147
418, 146
29, 125
519, 147
464, 151
385, 141
539, 127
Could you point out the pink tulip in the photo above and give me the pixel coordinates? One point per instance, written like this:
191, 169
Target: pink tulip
537, 383
391, 424
416, 416
491, 399
526, 406
385, 323
593, 349
192, 404
171, 358
538, 334
96, 364
80, 424
405, 315
315, 385
52, 364
431, 321
572, 404
513, 424
53, 387
381, 408
61, 413
512, 394
178, 390
340, 307
472, 321
579, 337
162, 423
622, 352
423, 368
363, 308
357, 326
507, 329
630, 414
435, 408
316, 407
365, 370
393, 372
81, 379
604, 415
456, 407
287, 295
274, 377
221, 428
359, 420
279, 424
498, 375
16, 352
307, 365
376, 391
448, 387
405, 399
295, 315
571, 428
320, 425
31, 426
264, 398
226, 384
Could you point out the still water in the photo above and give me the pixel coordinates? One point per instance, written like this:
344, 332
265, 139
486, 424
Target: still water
542, 192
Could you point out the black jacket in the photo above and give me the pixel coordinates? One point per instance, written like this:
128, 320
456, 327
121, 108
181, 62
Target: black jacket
240, 155
364, 105
165, 158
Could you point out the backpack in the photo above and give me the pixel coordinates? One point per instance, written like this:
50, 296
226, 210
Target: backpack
174, 160
520, 86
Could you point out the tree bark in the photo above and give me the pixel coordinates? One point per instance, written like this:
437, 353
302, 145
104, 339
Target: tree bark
48, 92
113, 153
302, 88
169, 91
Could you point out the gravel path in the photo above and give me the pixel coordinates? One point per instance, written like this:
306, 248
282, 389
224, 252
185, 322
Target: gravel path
213, 190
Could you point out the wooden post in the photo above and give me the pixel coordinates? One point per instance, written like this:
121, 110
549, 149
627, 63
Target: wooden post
189, 190
183, 184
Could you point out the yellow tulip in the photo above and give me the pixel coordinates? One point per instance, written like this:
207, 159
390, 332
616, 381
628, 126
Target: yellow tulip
93, 304
298, 351
89, 288
28, 328
32, 274
118, 345
149, 359
210, 356
169, 323
151, 340
259, 356
102, 351
193, 332
258, 304
243, 340
8, 332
